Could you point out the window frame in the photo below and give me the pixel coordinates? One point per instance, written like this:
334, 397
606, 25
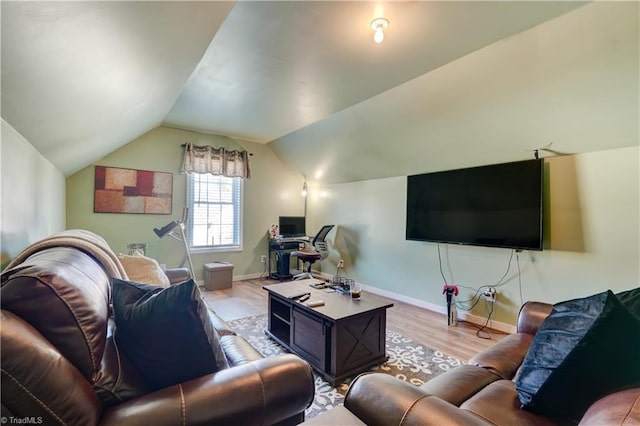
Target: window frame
220, 248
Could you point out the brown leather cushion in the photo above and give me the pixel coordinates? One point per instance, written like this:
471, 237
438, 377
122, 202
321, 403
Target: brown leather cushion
118, 380
620, 408
166, 332
532, 315
221, 326
38, 382
64, 294
498, 403
238, 351
459, 384
505, 357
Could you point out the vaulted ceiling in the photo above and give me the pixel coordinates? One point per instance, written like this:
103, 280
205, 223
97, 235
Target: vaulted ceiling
81, 79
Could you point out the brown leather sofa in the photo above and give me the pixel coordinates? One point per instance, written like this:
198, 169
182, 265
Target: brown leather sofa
479, 393
61, 364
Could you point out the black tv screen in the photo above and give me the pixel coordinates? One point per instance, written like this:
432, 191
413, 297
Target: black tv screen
292, 226
495, 206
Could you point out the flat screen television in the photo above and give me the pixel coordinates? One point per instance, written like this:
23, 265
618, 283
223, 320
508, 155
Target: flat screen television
495, 206
292, 226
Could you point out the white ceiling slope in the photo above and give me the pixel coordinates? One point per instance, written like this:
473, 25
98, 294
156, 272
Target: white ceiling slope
277, 66
80, 79
573, 81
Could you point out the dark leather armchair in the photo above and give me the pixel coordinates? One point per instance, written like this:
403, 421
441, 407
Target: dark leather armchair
481, 392
62, 365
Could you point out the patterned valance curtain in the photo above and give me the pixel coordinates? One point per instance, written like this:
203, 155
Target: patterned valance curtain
216, 161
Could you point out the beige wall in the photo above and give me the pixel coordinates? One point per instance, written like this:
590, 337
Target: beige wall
33, 193
591, 242
273, 191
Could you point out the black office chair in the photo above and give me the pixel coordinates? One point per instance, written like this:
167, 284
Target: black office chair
317, 250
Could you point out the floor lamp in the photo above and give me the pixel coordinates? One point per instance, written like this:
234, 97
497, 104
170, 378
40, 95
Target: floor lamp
175, 229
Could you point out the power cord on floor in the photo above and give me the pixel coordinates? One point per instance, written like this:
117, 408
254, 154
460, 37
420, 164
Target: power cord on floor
489, 307
484, 328
463, 305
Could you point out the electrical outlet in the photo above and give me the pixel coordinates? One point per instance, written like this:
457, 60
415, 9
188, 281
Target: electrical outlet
490, 294
263, 259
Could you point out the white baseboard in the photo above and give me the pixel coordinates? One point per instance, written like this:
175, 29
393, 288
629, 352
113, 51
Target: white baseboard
235, 278
441, 309
248, 277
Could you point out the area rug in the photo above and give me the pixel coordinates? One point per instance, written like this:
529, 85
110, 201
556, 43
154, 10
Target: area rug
408, 360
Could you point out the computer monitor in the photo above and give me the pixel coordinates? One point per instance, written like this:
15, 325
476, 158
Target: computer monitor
292, 226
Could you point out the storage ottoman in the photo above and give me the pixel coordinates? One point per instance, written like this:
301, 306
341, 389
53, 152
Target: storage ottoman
218, 275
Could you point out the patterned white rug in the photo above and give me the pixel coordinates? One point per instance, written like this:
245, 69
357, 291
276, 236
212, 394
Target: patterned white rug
408, 360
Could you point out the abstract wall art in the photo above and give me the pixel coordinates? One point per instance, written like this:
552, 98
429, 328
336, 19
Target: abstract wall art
132, 191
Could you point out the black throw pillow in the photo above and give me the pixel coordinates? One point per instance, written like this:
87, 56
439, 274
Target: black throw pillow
166, 332
631, 300
585, 349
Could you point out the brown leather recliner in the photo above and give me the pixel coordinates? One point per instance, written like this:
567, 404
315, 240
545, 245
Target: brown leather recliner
481, 393
61, 364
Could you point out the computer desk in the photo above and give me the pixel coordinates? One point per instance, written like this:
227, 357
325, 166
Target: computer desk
281, 248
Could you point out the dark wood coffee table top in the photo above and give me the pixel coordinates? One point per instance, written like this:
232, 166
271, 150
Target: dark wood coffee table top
337, 306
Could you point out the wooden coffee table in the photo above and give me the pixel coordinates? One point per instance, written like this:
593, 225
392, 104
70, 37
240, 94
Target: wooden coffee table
340, 339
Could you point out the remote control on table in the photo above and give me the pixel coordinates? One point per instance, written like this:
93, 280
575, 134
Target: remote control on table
299, 295
304, 298
319, 285
315, 303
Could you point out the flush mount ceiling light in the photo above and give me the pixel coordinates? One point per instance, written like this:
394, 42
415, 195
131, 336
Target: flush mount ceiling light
379, 25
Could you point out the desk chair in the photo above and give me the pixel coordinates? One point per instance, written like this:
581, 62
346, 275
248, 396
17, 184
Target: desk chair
318, 250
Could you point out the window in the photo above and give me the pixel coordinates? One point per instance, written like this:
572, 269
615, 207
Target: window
215, 205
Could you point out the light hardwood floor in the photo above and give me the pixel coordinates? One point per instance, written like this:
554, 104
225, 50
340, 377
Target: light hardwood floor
248, 298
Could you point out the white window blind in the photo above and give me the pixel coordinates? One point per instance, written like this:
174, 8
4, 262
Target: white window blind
215, 205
